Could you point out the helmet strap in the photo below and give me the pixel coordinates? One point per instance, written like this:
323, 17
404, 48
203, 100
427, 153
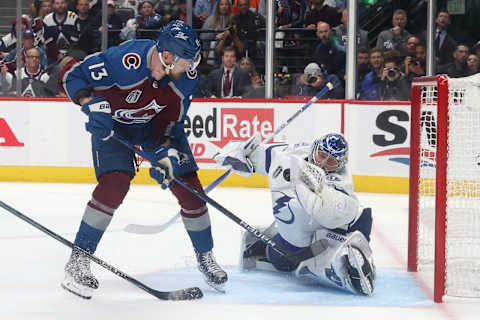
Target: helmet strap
168, 67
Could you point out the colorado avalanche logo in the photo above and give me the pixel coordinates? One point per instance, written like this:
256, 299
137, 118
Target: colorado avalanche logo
192, 74
143, 115
131, 60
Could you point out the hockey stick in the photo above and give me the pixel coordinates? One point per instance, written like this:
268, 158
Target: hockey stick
182, 294
146, 229
296, 257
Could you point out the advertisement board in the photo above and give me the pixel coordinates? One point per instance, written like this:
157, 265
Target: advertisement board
42, 140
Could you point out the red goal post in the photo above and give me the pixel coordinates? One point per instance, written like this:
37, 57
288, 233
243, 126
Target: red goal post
444, 195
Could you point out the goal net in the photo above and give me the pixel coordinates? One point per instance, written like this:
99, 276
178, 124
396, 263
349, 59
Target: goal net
444, 196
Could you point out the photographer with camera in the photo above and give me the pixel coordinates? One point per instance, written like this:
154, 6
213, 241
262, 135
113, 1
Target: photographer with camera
231, 37
315, 79
393, 84
414, 65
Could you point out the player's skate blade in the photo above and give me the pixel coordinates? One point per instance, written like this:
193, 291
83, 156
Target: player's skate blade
77, 289
213, 274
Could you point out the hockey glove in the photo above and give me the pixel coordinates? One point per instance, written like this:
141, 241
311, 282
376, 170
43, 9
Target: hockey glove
235, 155
168, 157
307, 173
100, 121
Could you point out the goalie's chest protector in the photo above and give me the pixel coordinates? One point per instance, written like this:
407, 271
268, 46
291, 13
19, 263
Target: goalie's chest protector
292, 219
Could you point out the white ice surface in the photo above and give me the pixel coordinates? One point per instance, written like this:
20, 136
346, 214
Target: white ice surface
32, 263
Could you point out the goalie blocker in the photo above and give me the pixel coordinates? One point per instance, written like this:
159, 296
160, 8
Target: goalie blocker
312, 199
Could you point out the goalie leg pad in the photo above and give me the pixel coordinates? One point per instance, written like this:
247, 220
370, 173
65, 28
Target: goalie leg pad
336, 268
361, 271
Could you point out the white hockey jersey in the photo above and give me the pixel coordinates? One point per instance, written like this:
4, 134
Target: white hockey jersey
298, 211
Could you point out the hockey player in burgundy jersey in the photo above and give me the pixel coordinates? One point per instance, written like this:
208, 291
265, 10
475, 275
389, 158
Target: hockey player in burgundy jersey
140, 90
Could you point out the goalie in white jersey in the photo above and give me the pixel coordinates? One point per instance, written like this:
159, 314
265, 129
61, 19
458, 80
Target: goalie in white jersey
312, 199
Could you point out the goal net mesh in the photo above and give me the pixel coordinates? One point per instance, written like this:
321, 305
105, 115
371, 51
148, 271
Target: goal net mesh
462, 234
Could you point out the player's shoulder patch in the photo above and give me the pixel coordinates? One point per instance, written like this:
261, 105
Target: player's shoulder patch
48, 20
131, 60
71, 18
192, 74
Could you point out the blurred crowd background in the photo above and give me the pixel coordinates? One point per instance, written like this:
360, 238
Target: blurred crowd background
309, 46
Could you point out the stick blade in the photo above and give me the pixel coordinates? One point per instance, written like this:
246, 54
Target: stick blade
193, 293
144, 229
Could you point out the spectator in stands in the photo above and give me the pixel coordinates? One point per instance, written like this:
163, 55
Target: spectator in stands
205, 8
131, 4
9, 41
321, 12
256, 80
60, 30
114, 22
148, 19
444, 44
314, 79
458, 68
181, 14
5, 80
218, 21
338, 4
33, 77
231, 37
248, 24
340, 32
476, 49
329, 52
411, 48
421, 54
414, 66
363, 65
393, 85
167, 8
228, 81
369, 87
45, 7
253, 6
28, 41
473, 63
84, 19
396, 37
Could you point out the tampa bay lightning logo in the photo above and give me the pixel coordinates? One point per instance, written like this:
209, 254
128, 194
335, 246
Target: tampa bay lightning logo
281, 202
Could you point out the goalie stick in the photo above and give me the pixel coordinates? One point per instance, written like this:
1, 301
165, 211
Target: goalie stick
146, 229
182, 294
294, 257
152, 229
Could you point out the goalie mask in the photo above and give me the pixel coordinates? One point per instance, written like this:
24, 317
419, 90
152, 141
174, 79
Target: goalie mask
330, 152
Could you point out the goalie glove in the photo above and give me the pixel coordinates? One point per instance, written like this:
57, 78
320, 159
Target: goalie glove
308, 174
235, 155
168, 157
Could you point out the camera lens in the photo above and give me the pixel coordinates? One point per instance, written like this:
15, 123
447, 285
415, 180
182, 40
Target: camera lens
312, 79
392, 72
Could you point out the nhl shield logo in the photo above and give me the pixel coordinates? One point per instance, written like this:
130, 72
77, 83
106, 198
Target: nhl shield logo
133, 96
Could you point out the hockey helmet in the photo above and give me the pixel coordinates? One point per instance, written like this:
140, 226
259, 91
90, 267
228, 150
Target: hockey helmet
330, 152
182, 41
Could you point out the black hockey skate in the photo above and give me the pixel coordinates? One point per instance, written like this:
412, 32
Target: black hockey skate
79, 279
214, 275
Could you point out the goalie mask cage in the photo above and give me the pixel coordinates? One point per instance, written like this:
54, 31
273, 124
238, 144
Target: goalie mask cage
444, 195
